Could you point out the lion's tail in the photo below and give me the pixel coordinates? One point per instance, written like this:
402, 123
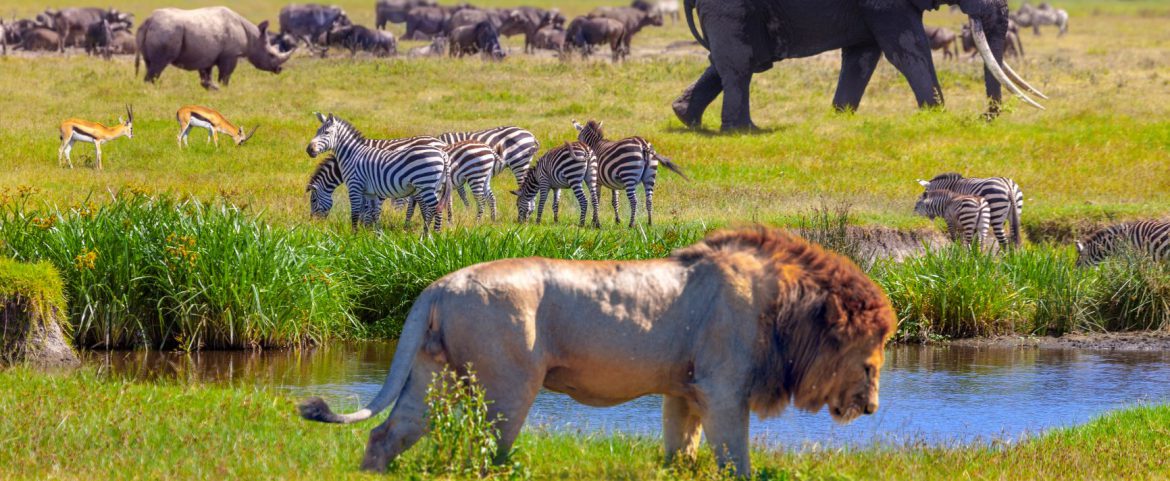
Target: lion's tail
413, 335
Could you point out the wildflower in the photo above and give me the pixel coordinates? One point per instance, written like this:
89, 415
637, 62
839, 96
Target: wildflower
45, 223
86, 260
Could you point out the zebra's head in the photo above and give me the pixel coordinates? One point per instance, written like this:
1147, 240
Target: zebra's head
320, 202
321, 186
525, 197
326, 138
1097, 247
928, 204
590, 133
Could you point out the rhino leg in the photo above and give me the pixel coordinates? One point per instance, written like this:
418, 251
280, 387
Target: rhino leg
226, 66
205, 79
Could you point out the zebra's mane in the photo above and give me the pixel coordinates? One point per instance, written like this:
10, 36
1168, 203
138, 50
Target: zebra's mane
596, 127
1107, 233
320, 170
348, 127
947, 176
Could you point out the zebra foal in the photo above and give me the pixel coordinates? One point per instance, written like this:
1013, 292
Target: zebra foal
568, 166
1003, 195
372, 173
1147, 237
967, 216
623, 164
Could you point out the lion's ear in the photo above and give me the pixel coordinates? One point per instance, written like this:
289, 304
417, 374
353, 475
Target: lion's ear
836, 317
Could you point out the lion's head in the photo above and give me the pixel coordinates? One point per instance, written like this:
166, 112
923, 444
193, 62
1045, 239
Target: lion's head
821, 339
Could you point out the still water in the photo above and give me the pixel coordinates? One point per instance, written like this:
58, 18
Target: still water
935, 395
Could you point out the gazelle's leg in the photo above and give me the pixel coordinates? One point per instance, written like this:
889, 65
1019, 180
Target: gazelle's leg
97, 146
69, 151
215, 137
61, 152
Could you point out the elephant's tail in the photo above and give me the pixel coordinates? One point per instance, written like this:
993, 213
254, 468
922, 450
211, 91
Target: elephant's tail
414, 335
690, 7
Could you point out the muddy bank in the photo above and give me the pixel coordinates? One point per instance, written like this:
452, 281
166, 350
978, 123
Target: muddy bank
870, 243
1113, 341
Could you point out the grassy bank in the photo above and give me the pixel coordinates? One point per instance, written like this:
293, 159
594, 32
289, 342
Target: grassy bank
1104, 127
161, 272
82, 427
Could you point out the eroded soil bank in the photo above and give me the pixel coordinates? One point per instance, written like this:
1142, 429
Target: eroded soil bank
1149, 341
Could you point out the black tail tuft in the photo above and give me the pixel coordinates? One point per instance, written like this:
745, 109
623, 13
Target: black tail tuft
316, 409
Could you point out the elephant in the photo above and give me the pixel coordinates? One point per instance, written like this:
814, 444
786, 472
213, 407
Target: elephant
746, 37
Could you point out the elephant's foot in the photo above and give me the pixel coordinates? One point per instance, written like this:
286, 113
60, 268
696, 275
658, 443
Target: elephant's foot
682, 110
993, 110
743, 127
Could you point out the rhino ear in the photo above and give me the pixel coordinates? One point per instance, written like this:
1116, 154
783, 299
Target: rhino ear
263, 28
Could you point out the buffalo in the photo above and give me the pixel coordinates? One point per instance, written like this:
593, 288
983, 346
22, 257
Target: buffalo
204, 38
73, 24
480, 38
585, 32
529, 21
311, 22
357, 37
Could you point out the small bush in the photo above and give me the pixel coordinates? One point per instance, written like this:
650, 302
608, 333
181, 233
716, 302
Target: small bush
1132, 293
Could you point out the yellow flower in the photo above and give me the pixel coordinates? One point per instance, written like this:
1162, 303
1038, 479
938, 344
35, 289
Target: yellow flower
85, 261
44, 222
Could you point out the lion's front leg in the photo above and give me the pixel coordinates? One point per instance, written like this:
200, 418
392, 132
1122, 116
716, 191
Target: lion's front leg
681, 430
726, 423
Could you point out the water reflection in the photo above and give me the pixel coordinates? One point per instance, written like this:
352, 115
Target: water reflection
929, 394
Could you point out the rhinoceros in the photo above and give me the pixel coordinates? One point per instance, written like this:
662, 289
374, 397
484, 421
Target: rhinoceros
203, 38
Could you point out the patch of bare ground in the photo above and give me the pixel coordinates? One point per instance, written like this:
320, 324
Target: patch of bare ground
1096, 341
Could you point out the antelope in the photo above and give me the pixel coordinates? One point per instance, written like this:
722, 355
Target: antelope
78, 130
190, 116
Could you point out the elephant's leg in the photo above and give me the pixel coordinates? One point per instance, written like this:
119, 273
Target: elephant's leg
689, 106
726, 424
857, 66
735, 70
680, 428
406, 423
903, 40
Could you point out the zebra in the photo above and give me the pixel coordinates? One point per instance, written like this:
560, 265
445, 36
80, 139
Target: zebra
624, 164
567, 166
371, 173
1003, 196
471, 163
327, 176
1149, 237
967, 216
517, 147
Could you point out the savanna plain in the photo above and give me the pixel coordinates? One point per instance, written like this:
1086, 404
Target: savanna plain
212, 248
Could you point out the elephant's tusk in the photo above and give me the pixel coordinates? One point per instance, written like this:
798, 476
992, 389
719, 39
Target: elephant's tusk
1020, 81
993, 65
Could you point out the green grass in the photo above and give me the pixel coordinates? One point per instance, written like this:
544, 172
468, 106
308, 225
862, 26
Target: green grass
81, 426
38, 282
1097, 153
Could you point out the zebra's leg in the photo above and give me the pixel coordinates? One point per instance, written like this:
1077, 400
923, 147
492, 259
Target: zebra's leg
477, 190
491, 198
593, 195
462, 195
432, 198
1000, 237
583, 202
632, 195
556, 195
410, 203
649, 187
357, 204
540, 204
617, 218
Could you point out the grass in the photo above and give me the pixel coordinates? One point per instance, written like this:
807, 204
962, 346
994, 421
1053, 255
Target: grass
82, 426
38, 282
1096, 153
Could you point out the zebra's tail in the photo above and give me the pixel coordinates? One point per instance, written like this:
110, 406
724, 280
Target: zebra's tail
668, 163
445, 189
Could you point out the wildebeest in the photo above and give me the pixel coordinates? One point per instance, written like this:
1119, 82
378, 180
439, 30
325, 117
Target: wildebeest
40, 38
311, 22
633, 19
123, 43
356, 37
72, 24
550, 38
942, 38
204, 38
394, 11
423, 23
528, 21
585, 32
480, 38
474, 16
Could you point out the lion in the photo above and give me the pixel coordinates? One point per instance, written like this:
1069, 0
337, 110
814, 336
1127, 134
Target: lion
748, 320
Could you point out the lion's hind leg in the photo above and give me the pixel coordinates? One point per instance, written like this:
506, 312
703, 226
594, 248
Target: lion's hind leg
726, 423
681, 430
407, 421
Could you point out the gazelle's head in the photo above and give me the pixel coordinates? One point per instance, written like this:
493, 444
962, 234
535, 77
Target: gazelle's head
127, 123
240, 138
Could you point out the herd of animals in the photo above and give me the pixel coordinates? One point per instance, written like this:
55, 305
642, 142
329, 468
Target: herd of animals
945, 39
454, 29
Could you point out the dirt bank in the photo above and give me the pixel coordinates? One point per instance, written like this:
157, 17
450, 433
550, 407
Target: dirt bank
1116, 341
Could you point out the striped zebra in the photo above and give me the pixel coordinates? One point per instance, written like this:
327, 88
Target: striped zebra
327, 176
373, 173
967, 216
568, 166
1003, 196
624, 164
517, 146
1147, 237
471, 163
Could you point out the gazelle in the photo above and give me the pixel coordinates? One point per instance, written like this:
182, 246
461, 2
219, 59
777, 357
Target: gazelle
78, 130
191, 116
